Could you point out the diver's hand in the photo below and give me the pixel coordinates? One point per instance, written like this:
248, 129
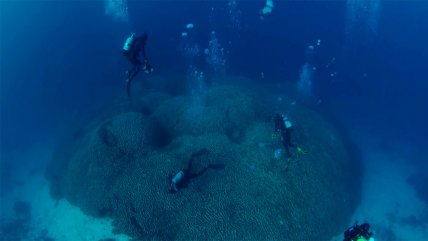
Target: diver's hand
148, 68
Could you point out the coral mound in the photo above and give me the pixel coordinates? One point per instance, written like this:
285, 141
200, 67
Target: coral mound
119, 168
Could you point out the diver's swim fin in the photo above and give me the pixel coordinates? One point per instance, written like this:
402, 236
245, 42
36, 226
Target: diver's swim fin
218, 166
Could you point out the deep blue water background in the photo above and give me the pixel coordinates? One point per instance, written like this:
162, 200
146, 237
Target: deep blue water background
60, 60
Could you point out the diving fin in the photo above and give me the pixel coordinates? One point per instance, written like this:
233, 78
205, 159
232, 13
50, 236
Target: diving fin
218, 166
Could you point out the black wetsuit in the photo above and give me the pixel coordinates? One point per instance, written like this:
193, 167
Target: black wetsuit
133, 55
356, 231
188, 174
279, 123
284, 131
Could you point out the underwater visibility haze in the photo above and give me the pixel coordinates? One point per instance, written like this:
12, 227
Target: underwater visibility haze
213, 120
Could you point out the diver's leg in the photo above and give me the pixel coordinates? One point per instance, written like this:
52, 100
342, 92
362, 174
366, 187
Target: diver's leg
216, 166
286, 146
195, 175
287, 149
131, 75
189, 165
128, 88
134, 72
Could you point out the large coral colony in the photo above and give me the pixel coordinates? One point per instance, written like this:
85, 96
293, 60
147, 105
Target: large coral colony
118, 165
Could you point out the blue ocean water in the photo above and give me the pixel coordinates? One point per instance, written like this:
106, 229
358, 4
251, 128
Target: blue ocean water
362, 64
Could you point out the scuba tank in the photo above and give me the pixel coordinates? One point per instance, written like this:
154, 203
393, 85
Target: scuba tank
128, 42
287, 122
177, 178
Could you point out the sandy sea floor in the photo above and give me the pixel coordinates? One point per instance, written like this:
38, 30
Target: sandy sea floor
387, 198
62, 220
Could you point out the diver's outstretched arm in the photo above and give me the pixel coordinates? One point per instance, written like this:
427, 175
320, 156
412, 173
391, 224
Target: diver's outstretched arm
201, 152
195, 175
218, 166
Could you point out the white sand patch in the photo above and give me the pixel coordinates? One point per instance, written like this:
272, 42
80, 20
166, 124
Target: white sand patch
387, 197
66, 222
62, 220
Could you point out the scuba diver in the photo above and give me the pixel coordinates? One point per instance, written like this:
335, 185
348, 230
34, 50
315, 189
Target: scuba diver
284, 127
182, 178
132, 48
358, 233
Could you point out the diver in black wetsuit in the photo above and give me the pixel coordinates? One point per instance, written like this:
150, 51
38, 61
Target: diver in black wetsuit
132, 49
284, 127
182, 178
358, 233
